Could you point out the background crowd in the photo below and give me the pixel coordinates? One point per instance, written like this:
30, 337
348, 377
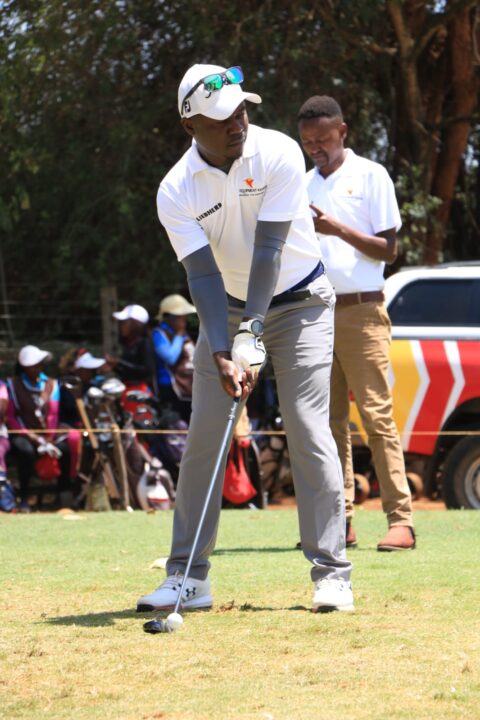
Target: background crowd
41, 436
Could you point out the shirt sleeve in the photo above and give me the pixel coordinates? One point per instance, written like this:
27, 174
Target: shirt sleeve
286, 196
383, 205
53, 408
185, 234
168, 351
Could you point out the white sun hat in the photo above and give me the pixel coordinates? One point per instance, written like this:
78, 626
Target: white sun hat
217, 104
31, 355
88, 362
132, 312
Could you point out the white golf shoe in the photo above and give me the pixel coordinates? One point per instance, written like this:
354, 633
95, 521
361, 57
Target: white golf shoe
332, 594
196, 595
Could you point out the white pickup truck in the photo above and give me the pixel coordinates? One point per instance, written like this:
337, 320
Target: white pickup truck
435, 379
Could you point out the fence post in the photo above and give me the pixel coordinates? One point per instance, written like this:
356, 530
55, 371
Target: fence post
108, 302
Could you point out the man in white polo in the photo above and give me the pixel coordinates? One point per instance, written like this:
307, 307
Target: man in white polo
236, 213
357, 218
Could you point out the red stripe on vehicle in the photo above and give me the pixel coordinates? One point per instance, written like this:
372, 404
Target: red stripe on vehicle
469, 352
436, 398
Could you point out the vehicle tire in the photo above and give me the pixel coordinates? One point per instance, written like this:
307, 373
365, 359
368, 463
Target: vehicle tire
362, 488
415, 483
461, 475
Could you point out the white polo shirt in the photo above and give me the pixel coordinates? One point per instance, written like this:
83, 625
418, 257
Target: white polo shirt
360, 194
199, 205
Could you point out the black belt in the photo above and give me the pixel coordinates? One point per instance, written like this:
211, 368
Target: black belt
288, 296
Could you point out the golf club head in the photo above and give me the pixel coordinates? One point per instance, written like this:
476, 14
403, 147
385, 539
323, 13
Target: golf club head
157, 626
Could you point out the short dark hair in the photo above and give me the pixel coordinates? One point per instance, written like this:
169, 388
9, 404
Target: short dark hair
320, 106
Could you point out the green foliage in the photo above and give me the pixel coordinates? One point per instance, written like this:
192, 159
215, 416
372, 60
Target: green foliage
88, 121
418, 215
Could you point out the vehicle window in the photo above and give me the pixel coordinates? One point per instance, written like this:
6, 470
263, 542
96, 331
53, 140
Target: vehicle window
437, 302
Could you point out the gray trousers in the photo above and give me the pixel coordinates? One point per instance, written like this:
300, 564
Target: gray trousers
299, 340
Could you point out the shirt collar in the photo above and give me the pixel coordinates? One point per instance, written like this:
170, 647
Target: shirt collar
345, 166
37, 386
197, 163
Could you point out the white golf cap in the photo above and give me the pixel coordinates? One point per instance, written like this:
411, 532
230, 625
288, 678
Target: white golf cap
31, 355
88, 362
132, 312
219, 104
175, 305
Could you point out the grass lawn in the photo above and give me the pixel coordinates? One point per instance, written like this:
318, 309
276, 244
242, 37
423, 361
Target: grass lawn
72, 646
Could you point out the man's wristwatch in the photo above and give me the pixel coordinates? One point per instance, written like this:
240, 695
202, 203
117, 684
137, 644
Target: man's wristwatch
255, 327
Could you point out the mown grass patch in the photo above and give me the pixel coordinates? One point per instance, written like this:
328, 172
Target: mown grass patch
72, 645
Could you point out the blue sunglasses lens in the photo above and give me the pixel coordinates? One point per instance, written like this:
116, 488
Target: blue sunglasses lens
234, 75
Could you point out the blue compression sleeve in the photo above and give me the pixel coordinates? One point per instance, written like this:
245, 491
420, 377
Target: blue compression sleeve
270, 239
208, 294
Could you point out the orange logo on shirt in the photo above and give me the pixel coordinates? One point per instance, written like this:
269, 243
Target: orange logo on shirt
349, 191
249, 182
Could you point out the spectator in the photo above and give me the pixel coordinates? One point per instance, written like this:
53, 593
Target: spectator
174, 355
82, 364
33, 412
136, 365
356, 217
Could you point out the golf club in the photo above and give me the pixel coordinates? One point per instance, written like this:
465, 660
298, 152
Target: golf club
175, 620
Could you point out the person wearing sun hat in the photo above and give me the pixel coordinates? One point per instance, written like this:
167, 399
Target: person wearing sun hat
136, 365
79, 363
235, 209
33, 412
174, 354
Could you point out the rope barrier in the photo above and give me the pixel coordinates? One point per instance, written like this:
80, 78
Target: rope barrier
279, 433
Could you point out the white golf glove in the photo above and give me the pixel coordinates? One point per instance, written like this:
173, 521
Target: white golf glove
248, 352
49, 449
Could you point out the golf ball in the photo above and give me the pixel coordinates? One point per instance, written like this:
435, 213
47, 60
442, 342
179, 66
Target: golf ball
174, 621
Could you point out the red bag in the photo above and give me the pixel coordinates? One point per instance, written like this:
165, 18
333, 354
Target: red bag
237, 487
47, 467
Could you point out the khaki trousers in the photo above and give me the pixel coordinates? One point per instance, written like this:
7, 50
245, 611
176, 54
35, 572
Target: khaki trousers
360, 364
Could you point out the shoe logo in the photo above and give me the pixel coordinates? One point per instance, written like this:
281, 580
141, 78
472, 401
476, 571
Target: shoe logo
190, 592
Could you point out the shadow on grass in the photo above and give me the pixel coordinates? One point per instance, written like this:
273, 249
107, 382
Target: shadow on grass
101, 619
233, 551
107, 619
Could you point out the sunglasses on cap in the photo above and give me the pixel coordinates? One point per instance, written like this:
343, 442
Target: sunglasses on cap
212, 83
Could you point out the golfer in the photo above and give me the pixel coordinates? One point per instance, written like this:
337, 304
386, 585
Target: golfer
236, 213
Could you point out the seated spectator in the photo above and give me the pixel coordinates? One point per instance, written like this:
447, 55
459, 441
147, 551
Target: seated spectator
82, 364
33, 413
174, 355
136, 365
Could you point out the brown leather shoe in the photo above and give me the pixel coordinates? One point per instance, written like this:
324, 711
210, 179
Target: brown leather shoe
351, 538
398, 537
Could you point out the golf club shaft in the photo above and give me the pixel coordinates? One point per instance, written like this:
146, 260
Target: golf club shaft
233, 415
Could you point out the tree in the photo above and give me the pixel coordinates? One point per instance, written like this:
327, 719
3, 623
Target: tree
88, 124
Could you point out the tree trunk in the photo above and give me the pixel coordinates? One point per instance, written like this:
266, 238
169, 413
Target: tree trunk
457, 127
